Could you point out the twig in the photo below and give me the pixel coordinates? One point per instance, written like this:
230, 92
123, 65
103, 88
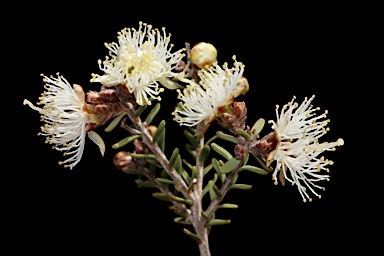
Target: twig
161, 158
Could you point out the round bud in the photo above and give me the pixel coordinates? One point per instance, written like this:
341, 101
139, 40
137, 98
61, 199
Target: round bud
203, 54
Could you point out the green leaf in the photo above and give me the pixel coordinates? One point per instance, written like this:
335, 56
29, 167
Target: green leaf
166, 181
204, 153
154, 162
211, 191
216, 165
124, 141
153, 113
181, 220
191, 150
173, 158
226, 137
228, 206
222, 151
254, 169
229, 165
161, 196
207, 169
140, 110
258, 126
185, 176
132, 171
217, 190
243, 133
192, 235
188, 164
161, 140
191, 139
145, 184
158, 132
218, 222
210, 140
181, 200
114, 123
143, 156
178, 164
241, 186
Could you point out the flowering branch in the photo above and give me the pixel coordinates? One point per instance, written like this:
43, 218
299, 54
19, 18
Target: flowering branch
137, 66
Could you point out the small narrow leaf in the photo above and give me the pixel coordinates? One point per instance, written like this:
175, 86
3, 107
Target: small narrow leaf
243, 134
178, 164
258, 126
188, 164
181, 220
153, 113
173, 158
154, 162
192, 235
191, 139
241, 186
218, 222
254, 169
205, 190
229, 165
262, 163
214, 178
212, 193
181, 200
228, 206
159, 130
161, 140
217, 191
204, 215
226, 137
114, 123
143, 156
216, 165
132, 171
194, 172
211, 139
124, 141
166, 181
164, 174
207, 169
160, 196
204, 153
145, 184
140, 110
191, 150
222, 151
185, 176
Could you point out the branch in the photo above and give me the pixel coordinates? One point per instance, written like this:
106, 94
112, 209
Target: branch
214, 205
161, 158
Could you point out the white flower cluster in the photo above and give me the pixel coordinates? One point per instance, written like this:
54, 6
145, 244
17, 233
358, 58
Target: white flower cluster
298, 130
216, 90
65, 115
140, 60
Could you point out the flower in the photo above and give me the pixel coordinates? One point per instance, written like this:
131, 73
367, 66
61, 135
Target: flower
140, 60
66, 116
203, 102
298, 130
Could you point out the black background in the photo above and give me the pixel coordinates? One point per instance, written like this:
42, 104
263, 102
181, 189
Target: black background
287, 50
